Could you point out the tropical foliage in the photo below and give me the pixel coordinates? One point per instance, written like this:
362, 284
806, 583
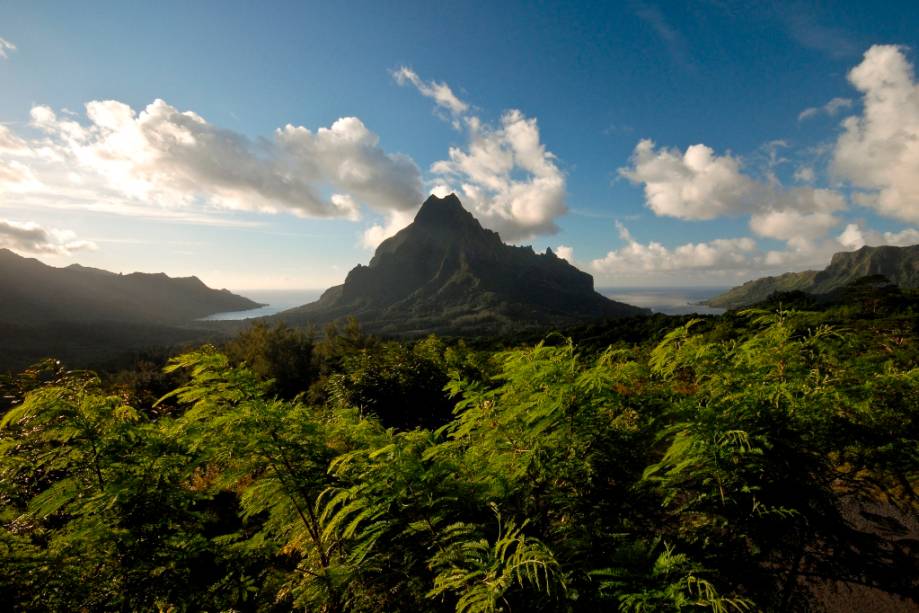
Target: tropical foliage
716, 467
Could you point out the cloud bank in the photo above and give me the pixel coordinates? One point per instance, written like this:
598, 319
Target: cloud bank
637, 259
699, 184
876, 153
163, 162
29, 237
164, 158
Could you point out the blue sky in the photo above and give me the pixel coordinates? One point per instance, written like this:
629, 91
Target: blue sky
703, 143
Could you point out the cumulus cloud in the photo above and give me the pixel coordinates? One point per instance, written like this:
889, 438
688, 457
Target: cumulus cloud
640, 259
856, 237
878, 151
695, 184
699, 184
504, 174
507, 177
792, 225
29, 237
168, 158
734, 259
830, 109
816, 253
441, 93
377, 233
6, 47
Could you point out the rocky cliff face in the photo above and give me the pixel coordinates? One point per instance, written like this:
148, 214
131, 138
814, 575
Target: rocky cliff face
446, 273
900, 265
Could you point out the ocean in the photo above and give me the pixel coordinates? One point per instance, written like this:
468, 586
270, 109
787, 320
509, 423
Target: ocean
667, 300
276, 300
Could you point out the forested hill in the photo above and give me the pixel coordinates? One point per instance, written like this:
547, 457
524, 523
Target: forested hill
900, 265
34, 293
445, 273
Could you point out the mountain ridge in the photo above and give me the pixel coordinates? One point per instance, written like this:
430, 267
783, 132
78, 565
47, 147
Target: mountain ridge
900, 265
34, 292
445, 273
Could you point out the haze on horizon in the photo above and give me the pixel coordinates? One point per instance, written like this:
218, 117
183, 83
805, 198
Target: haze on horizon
274, 147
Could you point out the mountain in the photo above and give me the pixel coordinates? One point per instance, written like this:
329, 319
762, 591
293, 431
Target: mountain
900, 265
33, 293
445, 273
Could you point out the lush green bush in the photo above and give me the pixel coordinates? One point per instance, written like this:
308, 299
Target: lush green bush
709, 469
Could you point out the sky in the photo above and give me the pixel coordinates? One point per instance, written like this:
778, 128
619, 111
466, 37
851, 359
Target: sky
274, 145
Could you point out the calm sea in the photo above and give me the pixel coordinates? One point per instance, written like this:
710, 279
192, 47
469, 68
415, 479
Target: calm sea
667, 300
277, 300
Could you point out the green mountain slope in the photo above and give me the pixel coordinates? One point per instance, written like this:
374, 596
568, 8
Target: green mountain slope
445, 273
898, 264
32, 292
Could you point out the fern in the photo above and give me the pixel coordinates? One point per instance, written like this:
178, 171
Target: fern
481, 574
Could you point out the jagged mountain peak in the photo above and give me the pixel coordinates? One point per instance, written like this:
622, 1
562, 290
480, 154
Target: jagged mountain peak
445, 273
441, 224
447, 211
446, 217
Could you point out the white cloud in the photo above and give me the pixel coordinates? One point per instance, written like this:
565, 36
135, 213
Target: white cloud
830, 109
377, 233
507, 177
734, 259
504, 175
29, 237
165, 163
441, 93
878, 151
566, 253
10, 144
793, 225
855, 237
815, 254
6, 47
697, 184
161, 157
16, 177
347, 155
637, 259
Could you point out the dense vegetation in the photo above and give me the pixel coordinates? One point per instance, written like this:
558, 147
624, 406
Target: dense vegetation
712, 464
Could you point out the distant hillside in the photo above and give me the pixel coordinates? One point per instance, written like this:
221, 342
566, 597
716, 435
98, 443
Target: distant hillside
32, 292
445, 273
900, 265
